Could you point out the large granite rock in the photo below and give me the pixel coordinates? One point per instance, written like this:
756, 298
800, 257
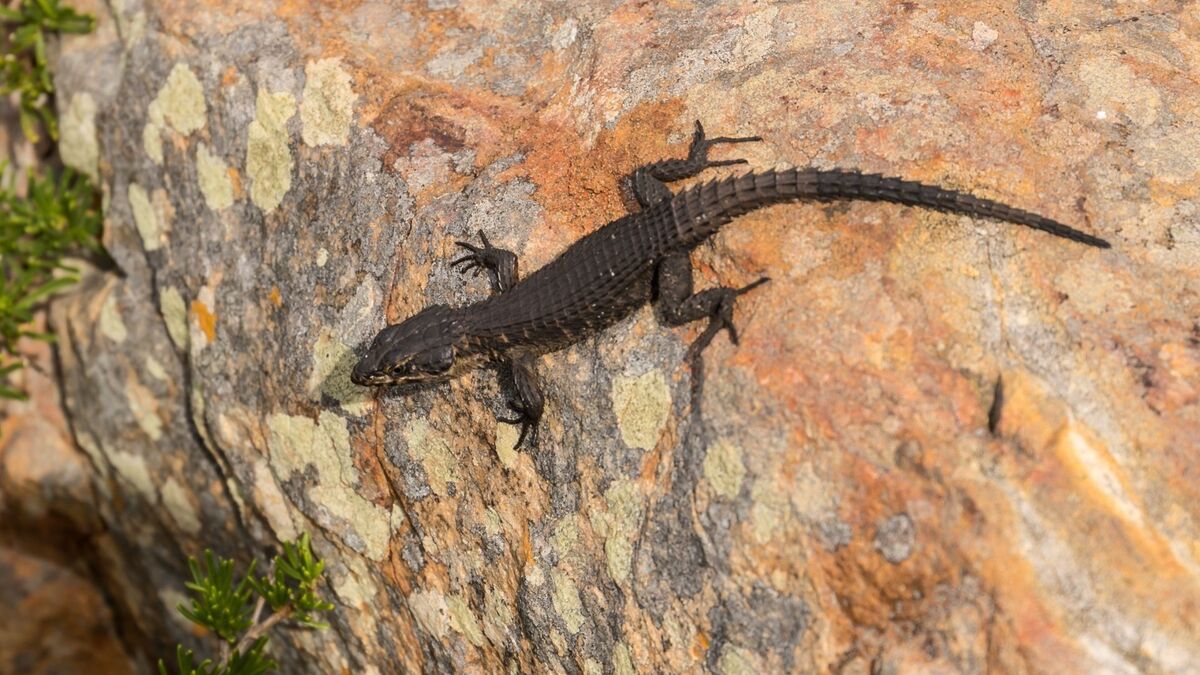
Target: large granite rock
944, 445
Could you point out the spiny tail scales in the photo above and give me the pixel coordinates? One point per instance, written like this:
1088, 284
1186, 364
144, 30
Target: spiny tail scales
701, 210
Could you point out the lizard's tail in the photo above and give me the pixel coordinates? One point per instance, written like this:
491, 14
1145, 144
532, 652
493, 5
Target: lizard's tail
701, 210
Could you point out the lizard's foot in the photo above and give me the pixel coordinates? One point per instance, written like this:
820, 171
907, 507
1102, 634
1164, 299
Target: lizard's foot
721, 300
698, 152
528, 422
499, 263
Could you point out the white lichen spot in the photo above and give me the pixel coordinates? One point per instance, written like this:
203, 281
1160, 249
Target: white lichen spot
641, 405
175, 315
621, 663
982, 36
111, 324
179, 505
565, 35
181, 100
332, 362
214, 179
322, 257
397, 517
171, 598
592, 667
143, 405
152, 132
429, 608
268, 157
463, 620
565, 597
327, 105
296, 443
273, 504
1101, 114
145, 218
432, 451
132, 468
723, 468
77, 135
155, 369
353, 584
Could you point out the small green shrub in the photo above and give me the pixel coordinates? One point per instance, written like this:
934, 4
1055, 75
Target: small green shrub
231, 609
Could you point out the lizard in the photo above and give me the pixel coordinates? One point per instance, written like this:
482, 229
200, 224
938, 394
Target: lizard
636, 259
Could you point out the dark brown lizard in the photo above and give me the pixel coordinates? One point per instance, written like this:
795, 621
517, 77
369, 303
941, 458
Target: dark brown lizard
609, 273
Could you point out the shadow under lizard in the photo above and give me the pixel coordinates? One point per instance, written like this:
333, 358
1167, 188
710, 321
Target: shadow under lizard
636, 259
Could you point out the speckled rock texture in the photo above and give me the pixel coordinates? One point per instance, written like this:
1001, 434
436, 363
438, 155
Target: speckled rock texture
943, 446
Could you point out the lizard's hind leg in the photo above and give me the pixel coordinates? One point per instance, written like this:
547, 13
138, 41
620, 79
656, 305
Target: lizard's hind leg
679, 304
649, 181
500, 264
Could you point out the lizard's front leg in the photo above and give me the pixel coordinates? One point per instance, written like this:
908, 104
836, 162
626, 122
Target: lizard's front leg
678, 303
649, 181
500, 264
529, 403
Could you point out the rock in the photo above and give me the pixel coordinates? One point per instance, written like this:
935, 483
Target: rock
285, 178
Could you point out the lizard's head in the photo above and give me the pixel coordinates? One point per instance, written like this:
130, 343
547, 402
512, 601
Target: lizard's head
418, 349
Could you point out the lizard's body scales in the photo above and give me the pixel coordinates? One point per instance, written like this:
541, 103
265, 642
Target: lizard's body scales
609, 273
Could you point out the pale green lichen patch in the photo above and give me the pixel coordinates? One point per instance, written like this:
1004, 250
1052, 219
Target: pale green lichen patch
143, 405
593, 667
497, 616
618, 525
77, 135
296, 443
133, 469
565, 597
566, 535
182, 100
111, 324
735, 661
179, 505
769, 512
432, 451
723, 468
327, 105
463, 620
268, 157
621, 663
332, 362
507, 436
145, 217
152, 132
273, 504
641, 405
430, 610
155, 369
354, 585
214, 180
175, 314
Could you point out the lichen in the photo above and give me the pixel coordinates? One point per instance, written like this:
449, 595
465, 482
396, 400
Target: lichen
432, 451
641, 405
133, 469
268, 156
174, 313
213, 175
723, 468
463, 620
145, 218
327, 105
143, 405
179, 505
77, 146
430, 610
297, 442
181, 100
565, 597
111, 324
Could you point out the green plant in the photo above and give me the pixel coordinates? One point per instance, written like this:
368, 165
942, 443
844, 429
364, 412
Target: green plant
24, 69
229, 608
56, 217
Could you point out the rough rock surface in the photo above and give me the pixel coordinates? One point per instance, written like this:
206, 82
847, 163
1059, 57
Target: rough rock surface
944, 445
